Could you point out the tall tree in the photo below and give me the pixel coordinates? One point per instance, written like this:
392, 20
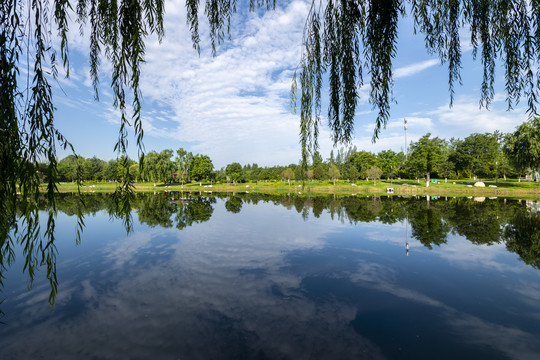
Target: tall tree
202, 167
333, 173
234, 171
183, 161
476, 154
387, 161
362, 160
523, 146
158, 166
426, 154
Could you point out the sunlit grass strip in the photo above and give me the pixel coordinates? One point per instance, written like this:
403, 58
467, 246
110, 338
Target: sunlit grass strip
450, 188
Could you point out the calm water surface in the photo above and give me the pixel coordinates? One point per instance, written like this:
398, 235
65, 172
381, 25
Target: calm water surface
242, 277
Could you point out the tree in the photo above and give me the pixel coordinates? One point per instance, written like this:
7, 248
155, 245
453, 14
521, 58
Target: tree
69, 167
351, 172
426, 154
317, 159
110, 170
319, 172
183, 162
333, 173
234, 171
362, 160
375, 173
93, 168
287, 174
202, 167
476, 154
158, 166
387, 161
523, 146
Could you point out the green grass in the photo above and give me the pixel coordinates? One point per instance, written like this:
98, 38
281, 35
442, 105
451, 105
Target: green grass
462, 187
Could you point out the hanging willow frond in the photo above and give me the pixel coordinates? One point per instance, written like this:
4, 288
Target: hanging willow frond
27, 132
361, 35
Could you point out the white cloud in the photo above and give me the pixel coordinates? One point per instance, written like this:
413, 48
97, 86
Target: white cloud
234, 106
466, 117
415, 68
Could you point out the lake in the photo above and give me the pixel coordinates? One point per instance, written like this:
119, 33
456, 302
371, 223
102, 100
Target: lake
250, 276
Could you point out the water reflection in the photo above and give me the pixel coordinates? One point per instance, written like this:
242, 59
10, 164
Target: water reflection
246, 279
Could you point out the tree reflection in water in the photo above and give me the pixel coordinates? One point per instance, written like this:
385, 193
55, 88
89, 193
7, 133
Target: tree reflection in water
483, 222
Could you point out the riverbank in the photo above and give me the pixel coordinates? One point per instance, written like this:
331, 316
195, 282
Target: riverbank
508, 188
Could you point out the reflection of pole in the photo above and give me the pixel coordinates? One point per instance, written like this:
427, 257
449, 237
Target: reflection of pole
407, 235
405, 127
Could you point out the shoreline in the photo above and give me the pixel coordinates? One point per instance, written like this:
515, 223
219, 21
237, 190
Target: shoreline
523, 190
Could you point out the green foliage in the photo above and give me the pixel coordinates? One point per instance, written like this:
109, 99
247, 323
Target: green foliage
523, 146
351, 173
476, 154
333, 173
388, 161
522, 236
233, 204
362, 160
158, 166
342, 39
287, 174
183, 161
234, 171
319, 172
201, 167
426, 155
374, 173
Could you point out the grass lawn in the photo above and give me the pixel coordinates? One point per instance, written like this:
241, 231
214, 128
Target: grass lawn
462, 187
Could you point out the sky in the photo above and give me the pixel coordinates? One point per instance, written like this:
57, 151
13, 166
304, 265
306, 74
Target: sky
235, 106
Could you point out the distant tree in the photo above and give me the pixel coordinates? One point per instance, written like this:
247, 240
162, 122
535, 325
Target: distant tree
123, 167
333, 173
523, 146
426, 154
183, 162
202, 167
374, 173
110, 172
69, 167
476, 154
234, 171
317, 159
310, 175
363, 160
287, 174
387, 161
158, 166
319, 172
298, 172
350, 172
93, 168
134, 171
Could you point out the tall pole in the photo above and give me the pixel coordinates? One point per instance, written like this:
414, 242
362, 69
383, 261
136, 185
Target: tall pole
405, 127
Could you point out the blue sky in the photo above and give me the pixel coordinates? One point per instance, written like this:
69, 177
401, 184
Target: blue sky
235, 107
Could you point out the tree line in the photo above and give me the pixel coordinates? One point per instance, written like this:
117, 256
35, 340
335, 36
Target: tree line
478, 156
